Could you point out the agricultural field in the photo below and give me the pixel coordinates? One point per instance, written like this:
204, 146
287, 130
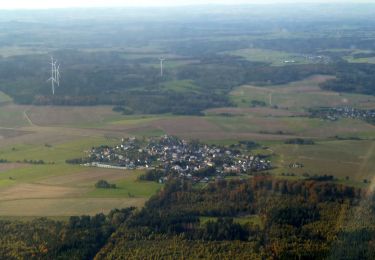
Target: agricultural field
287, 127
357, 55
57, 189
275, 58
54, 134
71, 116
351, 59
64, 190
299, 96
4, 98
181, 86
352, 159
12, 116
254, 111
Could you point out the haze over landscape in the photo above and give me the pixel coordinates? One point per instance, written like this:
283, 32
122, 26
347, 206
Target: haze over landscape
187, 130
45, 4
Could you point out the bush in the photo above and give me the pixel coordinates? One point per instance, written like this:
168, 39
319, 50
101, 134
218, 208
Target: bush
123, 110
300, 141
258, 103
103, 184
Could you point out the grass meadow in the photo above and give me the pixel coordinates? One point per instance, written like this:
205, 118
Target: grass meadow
299, 96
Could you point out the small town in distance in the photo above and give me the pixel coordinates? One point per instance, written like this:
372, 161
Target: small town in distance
187, 159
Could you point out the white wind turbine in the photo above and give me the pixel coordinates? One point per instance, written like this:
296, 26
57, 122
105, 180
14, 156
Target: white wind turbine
55, 75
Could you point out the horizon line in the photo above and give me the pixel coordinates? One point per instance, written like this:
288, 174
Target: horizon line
186, 5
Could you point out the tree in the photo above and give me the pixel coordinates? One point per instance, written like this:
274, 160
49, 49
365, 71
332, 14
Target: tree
103, 184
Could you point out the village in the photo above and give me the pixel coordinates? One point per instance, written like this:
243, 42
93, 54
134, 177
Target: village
335, 113
310, 58
188, 159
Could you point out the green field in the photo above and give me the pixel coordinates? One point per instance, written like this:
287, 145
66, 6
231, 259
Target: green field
64, 190
136, 120
275, 58
299, 96
73, 116
147, 132
370, 60
269, 125
355, 159
52, 153
129, 187
34, 173
294, 126
181, 86
12, 116
58, 189
350, 57
4, 98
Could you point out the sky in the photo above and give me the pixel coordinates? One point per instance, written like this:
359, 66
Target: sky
45, 4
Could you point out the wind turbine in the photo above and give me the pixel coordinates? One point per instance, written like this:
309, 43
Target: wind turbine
161, 66
55, 75
58, 75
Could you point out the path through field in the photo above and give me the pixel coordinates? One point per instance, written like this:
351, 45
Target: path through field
28, 118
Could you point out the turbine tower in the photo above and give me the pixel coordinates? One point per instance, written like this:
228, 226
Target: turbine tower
161, 66
58, 75
55, 75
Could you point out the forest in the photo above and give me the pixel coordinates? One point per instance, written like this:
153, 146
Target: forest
297, 219
214, 78
125, 71
260, 217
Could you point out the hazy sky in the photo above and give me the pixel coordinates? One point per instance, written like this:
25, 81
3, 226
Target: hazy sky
37, 4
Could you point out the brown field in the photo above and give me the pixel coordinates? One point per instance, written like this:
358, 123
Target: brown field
207, 136
63, 194
251, 126
65, 206
10, 166
11, 116
257, 124
37, 191
299, 95
187, 125
9, 133
50, 116
256, 111
57, 134
346, 127
87, 176
40, 136
355, 159
246, 123
205, 129
309, 84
